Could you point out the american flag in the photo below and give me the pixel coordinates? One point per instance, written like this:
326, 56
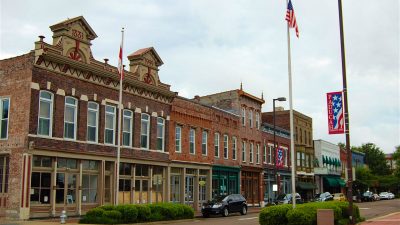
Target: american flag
279, 157
291, 18
335, 113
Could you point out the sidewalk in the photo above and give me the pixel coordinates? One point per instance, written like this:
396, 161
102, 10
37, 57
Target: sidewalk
391, 219
250, 210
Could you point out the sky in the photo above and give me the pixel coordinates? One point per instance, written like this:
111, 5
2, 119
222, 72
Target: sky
210, 46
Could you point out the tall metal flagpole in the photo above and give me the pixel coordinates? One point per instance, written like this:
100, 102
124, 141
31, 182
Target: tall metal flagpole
121, 75
346, 117
291, 120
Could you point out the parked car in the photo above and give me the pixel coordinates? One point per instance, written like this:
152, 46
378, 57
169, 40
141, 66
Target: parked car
368, 196
376, 197
391, 195
287, 199
224, 205
339, 197
384, 195
322, 197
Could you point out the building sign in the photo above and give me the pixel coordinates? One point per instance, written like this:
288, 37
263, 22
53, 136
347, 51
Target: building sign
335, 113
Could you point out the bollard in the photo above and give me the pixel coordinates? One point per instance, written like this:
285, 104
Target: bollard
63, 217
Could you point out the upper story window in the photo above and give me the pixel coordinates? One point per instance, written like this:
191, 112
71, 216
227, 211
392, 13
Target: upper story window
234, 148
265, 154
258, 154
251, 118
251, 152
192, 145
178, 139
303, 159
45, 120
204, 139
226, 146
270, 152
257, 120
216, 145
4, 173
243, 151
92, 121
127, 128
160, 133
4, 114
145, 131
298, 159
70, 117
243, 116
109, 131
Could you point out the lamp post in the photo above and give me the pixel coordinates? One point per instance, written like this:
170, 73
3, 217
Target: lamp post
281, 99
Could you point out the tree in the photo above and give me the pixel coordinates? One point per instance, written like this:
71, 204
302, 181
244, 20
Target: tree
396, 158
375, 159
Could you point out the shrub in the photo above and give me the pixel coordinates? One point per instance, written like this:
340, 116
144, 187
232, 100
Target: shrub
144, 213
129, 213
188, 212
113, 215
274, 215
107, 207
96, 212
302, 216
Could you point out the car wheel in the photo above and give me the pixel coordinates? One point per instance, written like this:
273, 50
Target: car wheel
205, 215
225, 213
243, 211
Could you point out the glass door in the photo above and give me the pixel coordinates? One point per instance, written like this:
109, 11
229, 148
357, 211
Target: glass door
141, 192
66, 189
189, 190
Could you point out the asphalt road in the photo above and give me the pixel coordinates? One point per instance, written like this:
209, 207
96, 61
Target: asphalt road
370, 210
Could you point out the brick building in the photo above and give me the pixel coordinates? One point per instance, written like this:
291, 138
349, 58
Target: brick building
304, 150
249, 141
279, 175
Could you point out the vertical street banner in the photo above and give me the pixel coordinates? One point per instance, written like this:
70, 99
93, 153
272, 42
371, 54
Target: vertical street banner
335, 113
279, 157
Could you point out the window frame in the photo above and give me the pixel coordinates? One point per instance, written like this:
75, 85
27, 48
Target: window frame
251, 153
192, 141
216, 144
243, 116
243, 151
271, 151
162, 124
178, 148
234, 148
226, 146
204, 140
257, 120
258, 154
251, 118
130, 132
2, 100
147, 133
51, 101
96, 111
265, 154
113, 122
75, 122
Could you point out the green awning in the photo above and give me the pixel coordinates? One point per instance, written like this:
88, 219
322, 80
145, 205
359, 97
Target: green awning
323, 160
306, 186
341, 182
334, 181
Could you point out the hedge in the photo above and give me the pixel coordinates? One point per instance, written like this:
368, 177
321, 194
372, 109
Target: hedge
306, 214
120, 214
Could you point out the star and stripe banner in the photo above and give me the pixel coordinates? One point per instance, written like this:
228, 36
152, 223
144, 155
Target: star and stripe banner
279, 157
291, 18
335, 113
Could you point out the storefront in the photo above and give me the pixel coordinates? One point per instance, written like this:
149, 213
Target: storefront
225, 180
251, 189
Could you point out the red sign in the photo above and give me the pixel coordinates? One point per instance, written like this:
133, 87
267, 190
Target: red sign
335, 113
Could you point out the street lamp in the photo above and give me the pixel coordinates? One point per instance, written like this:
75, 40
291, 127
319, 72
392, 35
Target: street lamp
281, 99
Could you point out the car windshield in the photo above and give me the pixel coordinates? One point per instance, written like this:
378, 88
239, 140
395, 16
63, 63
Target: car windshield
220, 198
281, 197
384, 193
317, 195
367, 193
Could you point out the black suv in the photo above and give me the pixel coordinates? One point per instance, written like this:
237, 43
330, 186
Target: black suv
224, 205
367, 196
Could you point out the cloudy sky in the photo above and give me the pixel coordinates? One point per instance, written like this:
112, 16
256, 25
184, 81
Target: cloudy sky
211, 46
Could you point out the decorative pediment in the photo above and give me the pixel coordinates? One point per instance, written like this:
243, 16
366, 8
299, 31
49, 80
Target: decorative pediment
145, 62
74, 37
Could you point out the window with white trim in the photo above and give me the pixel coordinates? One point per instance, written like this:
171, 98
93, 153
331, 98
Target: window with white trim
192, 141
178, 138
243, 151
204, 139
244, 117
70, 118
45, 115
216, 145
145, 131
127, 128
4, 114
271, 150
160, 133
92, 122
265, 154
234, 148
109, 129
257, 120
298, 159
251, 152
258, 154
251, 118
226, 146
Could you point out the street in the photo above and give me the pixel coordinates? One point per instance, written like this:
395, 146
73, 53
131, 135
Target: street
370, 210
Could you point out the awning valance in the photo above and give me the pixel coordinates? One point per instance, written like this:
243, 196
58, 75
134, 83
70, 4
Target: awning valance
306, 186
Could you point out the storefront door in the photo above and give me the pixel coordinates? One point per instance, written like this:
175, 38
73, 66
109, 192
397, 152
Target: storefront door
141, 191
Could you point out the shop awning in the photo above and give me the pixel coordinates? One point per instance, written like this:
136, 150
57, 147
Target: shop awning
334, 181
306, 186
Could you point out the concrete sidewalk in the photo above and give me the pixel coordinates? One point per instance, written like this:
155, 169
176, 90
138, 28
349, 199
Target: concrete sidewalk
75, 220
391, 219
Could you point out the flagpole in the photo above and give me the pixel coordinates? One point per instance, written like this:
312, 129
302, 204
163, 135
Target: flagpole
121, 72
292, 161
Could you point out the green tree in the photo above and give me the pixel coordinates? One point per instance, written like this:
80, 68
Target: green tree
375, 159
396, 158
